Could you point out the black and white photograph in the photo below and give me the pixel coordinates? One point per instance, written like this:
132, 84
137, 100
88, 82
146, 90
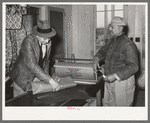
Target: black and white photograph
75, 61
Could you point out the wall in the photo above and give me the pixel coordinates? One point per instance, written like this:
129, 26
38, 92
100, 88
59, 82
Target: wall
78, 30
135, 16
83, 31
67, 28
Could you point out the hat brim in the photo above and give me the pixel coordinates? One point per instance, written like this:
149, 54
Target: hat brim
110, 25
44, 35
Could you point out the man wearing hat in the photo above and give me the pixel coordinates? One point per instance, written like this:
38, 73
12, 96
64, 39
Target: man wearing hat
33, 59
120, 55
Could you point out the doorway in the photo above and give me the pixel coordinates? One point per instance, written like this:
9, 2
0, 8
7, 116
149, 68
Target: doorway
57, 48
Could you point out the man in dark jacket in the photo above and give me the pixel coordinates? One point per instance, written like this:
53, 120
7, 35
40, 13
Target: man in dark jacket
121, 63
33, 59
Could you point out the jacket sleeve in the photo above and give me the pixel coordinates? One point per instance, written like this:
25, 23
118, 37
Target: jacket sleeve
31, 61
101, 54
131, 62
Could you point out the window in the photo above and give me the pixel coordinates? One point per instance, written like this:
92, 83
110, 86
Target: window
104, 14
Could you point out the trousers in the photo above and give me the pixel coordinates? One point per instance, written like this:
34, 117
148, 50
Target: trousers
119, 93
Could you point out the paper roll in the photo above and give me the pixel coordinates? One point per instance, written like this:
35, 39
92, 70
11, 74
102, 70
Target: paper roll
75, 70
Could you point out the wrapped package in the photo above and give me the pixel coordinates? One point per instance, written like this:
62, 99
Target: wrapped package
41, 87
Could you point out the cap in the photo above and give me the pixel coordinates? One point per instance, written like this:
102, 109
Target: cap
117, 21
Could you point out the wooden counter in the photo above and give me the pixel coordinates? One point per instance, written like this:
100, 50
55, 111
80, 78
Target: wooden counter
78, 96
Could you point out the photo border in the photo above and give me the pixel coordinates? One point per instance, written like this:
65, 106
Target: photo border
74, 117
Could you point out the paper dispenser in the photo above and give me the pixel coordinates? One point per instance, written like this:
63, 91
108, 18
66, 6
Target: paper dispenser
78, 69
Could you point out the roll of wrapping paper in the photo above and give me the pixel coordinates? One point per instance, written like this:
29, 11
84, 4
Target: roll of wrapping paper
76, 71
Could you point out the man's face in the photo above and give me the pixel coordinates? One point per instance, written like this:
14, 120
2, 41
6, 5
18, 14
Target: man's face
44, 41
116, 30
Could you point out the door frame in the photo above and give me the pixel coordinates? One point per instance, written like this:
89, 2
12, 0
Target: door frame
50, 8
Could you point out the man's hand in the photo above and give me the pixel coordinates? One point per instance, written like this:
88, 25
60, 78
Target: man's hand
110, 78
95, 63
56, 86
56, 78
102, 69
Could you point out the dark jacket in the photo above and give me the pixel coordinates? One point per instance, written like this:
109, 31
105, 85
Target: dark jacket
120, 56
26, 66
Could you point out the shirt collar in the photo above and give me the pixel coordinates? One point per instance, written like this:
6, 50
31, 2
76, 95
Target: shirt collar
116, 37
40, 42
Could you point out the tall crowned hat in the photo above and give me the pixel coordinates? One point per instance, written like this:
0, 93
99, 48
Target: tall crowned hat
43, 29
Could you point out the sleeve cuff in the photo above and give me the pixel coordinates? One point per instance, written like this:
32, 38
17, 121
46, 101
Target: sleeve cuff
117, 77
96, 58
50, 81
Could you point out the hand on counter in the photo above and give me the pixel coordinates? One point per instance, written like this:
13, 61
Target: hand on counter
55, 85
96, 64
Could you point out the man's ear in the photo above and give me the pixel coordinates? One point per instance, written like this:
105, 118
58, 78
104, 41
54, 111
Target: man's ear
121, 28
